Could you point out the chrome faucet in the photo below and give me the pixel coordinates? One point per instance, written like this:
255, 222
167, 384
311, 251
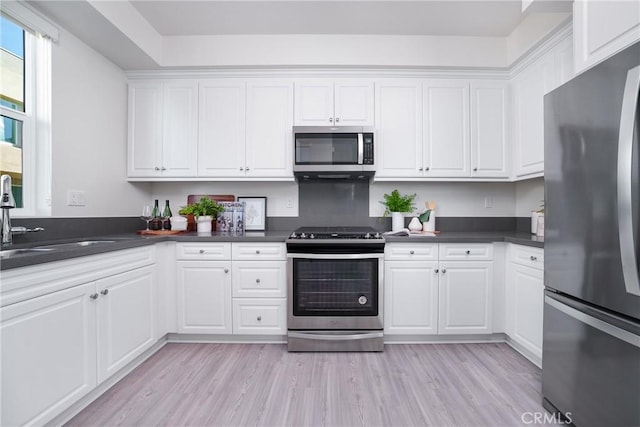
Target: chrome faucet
7, 202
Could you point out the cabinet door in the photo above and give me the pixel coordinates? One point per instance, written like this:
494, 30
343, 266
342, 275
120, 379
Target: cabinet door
180, 128
221, 137
260, 316
563, 57
353, 102
259, 279
465, 298
602, 28
530, 86
398, 137
314, 103
48, 354
204, 297
126, 318
489, 124
144, 129
526, 298
411, 297
446, 128
269, 145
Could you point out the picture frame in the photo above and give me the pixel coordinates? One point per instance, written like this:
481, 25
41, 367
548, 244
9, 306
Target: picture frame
255, 212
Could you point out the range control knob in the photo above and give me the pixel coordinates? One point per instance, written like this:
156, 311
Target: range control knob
377, 236
362, 300
293, 235
311, 236
367, 236
303, 236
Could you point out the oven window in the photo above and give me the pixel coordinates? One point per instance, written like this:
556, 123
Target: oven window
335, 287
326, 149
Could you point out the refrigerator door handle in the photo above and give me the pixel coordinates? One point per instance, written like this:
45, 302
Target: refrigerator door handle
603, 326
625, 201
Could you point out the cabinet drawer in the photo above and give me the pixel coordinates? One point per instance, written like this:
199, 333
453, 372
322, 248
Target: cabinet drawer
204, 251
525, 255
466, 251
411, 251
264, 316
259, 251
259, 279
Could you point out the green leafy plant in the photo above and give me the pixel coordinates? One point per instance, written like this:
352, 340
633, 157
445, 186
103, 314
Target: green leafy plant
204, 207
395, 202
424, 217
541, 209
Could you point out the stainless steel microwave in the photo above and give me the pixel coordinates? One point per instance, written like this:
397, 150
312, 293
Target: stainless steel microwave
327, 150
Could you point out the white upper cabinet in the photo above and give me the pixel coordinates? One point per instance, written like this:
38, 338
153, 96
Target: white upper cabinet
269, 134
398, 137
546, 73
328, 102
162, 128
221, 140
245, 128
489, 129
446, 128
602, 28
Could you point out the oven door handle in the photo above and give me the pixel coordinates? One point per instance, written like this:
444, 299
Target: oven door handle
335, 256
336, 337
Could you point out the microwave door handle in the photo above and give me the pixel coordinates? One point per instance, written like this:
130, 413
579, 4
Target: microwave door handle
626, 234
360, 148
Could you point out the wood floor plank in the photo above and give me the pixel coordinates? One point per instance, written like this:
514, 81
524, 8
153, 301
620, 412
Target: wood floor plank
264, 385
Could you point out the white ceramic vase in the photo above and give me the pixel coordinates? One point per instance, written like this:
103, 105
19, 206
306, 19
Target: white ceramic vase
203, 224
415, 224
397, 221
431, 224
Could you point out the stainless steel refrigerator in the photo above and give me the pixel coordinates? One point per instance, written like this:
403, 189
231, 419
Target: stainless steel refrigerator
591, 344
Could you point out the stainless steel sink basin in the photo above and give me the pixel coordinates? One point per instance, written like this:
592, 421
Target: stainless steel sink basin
12, 252
72, 245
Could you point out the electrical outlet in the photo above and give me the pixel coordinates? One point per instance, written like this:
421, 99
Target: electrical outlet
488, 202
290, 203
75, 198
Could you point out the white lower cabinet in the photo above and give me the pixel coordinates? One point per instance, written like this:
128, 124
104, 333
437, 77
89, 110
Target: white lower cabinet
58, 346
465, 297
204, 297
431, 288
260, 316
411, 297
525, 298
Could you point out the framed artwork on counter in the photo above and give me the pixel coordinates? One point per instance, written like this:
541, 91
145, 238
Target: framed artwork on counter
255, 213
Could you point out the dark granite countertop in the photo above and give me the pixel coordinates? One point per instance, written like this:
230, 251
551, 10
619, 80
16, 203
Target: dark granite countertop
128, 241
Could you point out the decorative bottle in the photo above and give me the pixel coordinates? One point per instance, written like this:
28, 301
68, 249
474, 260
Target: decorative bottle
166, 214
156, 223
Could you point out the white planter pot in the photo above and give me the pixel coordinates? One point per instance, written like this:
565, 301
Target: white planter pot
397, 221
534, 222
203, 224
431, 224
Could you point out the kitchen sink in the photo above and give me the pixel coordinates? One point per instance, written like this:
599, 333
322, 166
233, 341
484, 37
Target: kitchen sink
72, 245
12, 252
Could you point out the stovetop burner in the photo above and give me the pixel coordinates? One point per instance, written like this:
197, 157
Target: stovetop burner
335, 233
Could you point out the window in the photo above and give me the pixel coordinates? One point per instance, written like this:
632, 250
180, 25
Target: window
25, 107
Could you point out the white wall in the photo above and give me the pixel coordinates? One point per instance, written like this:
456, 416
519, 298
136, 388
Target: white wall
89, 126
529, 195
278, 193
452, 198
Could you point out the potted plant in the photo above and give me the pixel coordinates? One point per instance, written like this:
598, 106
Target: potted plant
397, 205
535, 215
204, 213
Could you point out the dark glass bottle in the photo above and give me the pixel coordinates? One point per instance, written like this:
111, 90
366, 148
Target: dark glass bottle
166, 214
156, 223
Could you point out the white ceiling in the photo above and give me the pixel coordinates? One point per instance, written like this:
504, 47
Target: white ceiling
389, 17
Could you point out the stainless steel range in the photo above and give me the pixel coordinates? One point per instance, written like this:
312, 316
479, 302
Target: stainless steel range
334, 281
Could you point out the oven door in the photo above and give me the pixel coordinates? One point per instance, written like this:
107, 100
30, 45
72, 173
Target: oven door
334, 291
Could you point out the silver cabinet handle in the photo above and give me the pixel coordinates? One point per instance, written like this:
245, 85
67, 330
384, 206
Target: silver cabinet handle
427, 168
331, 119
105, 292
163, 168
257, 280
94, 296
201, 251
625, 186
241, 168
259, 318
421, 169
444, 270
467, 252
157, 168
436, 270
533, 258
246, 168
257, 252
337, 119
226, 270
475, 169
411, 252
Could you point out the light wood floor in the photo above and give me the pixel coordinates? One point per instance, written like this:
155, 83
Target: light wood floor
262, 384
